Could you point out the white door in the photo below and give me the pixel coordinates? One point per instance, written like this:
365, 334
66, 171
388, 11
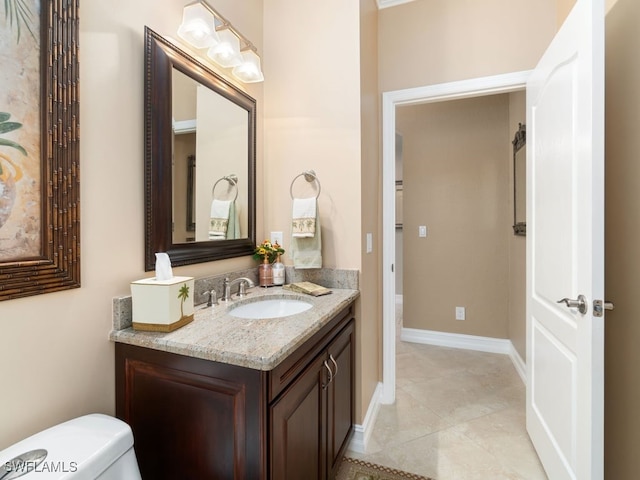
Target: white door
565, 248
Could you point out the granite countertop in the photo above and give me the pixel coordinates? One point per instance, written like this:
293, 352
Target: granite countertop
259, 344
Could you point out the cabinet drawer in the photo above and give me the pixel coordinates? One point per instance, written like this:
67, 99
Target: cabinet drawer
281, 376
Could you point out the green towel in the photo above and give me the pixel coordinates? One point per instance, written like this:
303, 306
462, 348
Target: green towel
233, 228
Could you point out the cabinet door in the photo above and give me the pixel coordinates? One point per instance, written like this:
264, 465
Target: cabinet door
340, 397
191, 419
297, 432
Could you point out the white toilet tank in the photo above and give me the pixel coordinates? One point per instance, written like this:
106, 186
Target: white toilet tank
86, 448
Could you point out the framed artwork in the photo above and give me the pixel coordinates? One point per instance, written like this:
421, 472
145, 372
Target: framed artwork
39, 147
520, 181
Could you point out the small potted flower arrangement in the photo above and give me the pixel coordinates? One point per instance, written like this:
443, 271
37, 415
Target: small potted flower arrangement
269, 252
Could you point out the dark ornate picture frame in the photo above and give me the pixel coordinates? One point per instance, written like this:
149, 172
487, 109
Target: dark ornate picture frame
58, 265
519, 181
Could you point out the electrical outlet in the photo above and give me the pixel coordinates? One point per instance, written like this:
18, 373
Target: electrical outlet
422, 231
276, 237
369, 242
460, 313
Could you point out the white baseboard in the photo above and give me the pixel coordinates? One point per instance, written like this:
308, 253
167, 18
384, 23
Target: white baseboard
456, 340
519, 364
467, 342
362, 433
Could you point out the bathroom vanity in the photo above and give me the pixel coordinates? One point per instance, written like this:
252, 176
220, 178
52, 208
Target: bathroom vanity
235, 398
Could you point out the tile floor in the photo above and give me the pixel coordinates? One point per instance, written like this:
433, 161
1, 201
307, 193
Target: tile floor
459, 415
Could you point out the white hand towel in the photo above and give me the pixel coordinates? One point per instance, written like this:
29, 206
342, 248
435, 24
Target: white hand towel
304, 216
219, 222
306, 252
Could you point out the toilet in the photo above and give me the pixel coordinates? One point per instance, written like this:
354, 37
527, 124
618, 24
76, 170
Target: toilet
92, 447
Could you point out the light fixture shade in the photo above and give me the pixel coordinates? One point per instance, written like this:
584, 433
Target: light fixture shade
198, 26
227, 52
249, 70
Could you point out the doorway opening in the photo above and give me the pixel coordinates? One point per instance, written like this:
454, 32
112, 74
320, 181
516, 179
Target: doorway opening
390, 101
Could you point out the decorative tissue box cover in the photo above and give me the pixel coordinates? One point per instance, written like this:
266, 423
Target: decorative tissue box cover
162, 305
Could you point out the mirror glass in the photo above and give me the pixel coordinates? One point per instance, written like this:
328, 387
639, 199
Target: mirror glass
520, 182
209, 149
199, 160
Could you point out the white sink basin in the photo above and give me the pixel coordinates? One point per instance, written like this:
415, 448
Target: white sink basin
270, 308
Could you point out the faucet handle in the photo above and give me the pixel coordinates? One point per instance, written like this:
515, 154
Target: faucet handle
226, 290
212, 298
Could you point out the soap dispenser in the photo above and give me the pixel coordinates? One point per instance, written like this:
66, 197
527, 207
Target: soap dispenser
278, 271
265, 273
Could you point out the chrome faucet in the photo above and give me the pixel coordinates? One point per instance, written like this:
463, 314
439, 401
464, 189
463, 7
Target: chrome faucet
244, 284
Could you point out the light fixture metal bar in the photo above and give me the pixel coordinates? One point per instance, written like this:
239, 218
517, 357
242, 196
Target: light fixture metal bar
224, 23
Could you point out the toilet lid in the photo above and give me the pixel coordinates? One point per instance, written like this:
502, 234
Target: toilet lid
80, 448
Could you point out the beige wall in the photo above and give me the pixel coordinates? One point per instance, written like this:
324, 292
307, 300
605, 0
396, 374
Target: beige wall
312, 118
59, 361
563, 8
371, 277
456, 182
622, 236
411, 123
434, 41
312, 121
447, 41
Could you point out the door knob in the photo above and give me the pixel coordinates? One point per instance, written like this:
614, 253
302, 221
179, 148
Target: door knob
580, 303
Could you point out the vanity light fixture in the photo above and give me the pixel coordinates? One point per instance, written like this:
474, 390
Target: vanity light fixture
198, 26
203, 27
249, 70
227, 52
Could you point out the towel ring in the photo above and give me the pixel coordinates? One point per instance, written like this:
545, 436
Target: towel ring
233, 181
309, 176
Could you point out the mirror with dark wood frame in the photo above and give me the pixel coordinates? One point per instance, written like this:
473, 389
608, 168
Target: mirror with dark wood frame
520, 181
200, 154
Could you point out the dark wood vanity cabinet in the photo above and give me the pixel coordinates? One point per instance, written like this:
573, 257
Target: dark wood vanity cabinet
311, 421
198, 419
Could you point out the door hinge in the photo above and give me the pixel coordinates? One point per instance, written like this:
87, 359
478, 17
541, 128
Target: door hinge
599, 307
